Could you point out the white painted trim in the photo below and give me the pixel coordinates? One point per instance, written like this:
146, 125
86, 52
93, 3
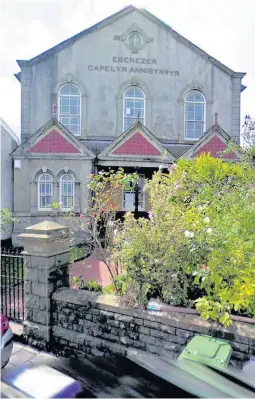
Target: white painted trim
38, 192
123, 106
58, 110
60, 191
184, 115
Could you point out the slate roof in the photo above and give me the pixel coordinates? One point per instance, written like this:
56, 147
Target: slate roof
97, 146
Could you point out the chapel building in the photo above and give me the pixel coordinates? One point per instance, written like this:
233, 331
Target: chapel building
127, 92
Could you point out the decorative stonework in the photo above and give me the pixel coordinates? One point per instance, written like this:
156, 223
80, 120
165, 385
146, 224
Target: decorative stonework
137, 145
134, 38
215, 146
54, 142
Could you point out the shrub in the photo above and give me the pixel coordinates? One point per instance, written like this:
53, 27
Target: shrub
91, 285
198, 246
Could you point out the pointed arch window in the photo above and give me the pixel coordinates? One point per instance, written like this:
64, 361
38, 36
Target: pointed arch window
133, 107
194, 115
44, 191
67, 192
70, 108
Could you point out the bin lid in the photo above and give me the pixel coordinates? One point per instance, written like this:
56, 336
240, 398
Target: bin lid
208, 350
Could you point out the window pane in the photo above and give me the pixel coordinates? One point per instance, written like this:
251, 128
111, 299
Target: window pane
64, 101
45, 202
69, 90
194, 115
67, 191
129, 201
133, 108
65, 110
195, 96
74, 110
194, 130
199, 112
70, 106
64, 121
74, 100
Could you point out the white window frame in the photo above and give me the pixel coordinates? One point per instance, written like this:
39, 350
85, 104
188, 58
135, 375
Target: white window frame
60, 115
186, 120
47, 208
132, 98
60, 191
140, 209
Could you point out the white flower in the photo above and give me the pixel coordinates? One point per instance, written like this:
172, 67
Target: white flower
160, 167
172, 168
209, 231
150, 215
188, 234
206, 220
202, 207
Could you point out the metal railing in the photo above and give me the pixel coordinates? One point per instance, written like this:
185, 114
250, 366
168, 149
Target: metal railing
12, 284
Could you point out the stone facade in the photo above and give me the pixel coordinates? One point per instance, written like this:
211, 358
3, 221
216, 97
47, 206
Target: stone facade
88, 324
102, 65
130, 49
46, 259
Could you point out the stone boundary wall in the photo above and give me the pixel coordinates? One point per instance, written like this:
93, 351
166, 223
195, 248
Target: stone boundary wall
86, 323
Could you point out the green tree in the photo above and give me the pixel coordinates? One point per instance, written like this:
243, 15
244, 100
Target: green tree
198, 246
98, 221
6, 221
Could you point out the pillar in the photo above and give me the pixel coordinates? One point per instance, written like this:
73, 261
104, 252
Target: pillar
46, 259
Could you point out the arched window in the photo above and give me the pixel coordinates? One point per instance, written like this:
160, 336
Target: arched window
70, 108
194, 115
44, 191
133, 107
67, 192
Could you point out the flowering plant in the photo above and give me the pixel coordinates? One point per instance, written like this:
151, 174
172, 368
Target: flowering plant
200, 230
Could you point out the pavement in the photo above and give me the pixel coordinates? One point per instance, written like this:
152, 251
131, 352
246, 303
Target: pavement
24, 354
99, 377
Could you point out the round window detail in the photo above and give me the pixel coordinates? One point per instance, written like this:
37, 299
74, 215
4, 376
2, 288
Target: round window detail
135, 39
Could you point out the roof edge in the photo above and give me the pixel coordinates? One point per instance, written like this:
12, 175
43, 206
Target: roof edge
122, 12
18, 76
243, 88
194, 46
9, 131
59, 46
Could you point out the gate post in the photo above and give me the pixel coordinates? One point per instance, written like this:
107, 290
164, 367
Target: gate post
46, 259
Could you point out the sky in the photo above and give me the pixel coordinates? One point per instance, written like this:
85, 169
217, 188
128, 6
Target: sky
225, 29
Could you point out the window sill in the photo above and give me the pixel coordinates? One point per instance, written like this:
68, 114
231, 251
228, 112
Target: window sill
191, 140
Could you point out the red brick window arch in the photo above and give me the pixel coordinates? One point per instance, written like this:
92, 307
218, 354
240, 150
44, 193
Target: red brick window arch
69, 105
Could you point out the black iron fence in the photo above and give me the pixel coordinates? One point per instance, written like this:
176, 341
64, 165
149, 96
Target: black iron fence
12, 284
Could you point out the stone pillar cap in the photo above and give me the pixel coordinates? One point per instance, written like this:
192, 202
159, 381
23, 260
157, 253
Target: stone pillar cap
46, 226
46, 230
